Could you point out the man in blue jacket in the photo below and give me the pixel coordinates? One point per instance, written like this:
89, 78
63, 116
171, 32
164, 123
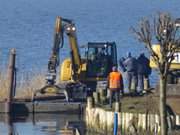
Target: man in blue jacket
130, 64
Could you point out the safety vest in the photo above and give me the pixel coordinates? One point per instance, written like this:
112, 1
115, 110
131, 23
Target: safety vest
114, 80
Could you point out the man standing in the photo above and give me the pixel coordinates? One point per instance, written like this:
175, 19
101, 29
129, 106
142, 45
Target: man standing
115, 82
130, 65
143, 70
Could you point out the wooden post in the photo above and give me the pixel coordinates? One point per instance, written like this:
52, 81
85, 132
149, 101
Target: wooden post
146, 83
96, 97
90, 103
10, 79
117, 106
133, 85
102, 95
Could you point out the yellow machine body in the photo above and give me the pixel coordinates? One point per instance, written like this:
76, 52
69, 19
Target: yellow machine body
175, 63
66, 71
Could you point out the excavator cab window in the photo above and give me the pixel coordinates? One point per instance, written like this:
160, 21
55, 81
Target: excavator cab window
100, 59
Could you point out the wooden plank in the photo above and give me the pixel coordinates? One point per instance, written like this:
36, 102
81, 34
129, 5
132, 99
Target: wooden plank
67, 132
43, 107
40, 98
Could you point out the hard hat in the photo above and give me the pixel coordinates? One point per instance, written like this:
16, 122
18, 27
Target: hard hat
114, 68
128, 54
142, 54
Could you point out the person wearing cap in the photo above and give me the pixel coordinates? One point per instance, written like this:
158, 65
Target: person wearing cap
130, 64
115, 83
143, 70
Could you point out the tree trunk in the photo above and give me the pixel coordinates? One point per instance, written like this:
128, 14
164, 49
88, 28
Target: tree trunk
162, 105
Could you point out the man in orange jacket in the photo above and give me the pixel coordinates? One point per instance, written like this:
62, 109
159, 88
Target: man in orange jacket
115, 83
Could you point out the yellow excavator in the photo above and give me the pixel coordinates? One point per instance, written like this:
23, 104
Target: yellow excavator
79, 76
174, 72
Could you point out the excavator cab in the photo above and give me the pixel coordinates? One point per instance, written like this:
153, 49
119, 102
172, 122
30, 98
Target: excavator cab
101, 57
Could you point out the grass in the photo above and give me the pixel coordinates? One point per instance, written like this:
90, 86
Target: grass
140, 104
137, 104
144, 104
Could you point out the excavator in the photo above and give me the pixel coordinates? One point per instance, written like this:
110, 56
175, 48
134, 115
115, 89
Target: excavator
174, 72
79, 76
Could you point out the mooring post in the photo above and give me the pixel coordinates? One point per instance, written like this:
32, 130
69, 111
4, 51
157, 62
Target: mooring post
133, 85
117, 106
146, 83
10, 80
115, 123
90, 103
102, 95
96, 97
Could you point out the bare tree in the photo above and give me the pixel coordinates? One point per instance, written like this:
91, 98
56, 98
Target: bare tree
161, 30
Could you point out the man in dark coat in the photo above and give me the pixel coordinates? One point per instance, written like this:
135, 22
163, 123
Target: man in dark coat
143, 70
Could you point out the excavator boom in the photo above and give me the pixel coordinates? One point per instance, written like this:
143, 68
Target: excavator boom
63, 26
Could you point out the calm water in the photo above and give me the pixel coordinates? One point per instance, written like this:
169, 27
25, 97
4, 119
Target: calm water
27, 25
38, 124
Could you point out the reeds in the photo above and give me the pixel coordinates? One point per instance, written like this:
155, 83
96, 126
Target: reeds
3, 86
27, 83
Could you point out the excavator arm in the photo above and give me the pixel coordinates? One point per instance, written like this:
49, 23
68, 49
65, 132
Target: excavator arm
63, 26
54, 58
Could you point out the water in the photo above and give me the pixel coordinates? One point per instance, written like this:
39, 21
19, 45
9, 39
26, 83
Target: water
38, 124
28, 25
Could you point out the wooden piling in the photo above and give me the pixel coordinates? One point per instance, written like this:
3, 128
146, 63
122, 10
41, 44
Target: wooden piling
146, 83
117, 106
10, 80
102, 95
133, 85
178, 120
90, 103
96, 97
67, 132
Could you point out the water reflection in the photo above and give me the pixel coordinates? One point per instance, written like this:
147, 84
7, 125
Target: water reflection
37, 124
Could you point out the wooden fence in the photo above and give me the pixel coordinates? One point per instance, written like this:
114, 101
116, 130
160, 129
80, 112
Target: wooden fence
100, 120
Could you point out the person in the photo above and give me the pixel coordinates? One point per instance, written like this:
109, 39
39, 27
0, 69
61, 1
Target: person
122, 67
130, 64
103, 62
143, 70
115, 81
